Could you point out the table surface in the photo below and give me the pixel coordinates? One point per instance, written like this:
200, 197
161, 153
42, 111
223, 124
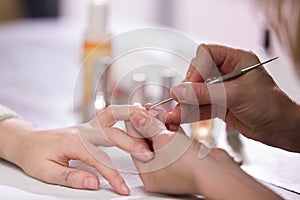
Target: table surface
31, 55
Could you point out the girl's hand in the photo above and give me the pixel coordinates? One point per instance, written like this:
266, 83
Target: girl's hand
45, 154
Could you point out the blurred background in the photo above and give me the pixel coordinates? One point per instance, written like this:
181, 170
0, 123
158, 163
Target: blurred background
228, 21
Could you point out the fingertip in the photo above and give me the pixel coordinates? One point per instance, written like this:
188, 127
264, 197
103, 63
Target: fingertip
140, 119
121, 188
125, 189
169, 117
117, 182
173, 117
145, 155
181, 91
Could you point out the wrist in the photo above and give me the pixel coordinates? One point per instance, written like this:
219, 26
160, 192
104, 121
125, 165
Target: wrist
294, 137
288, 134
218, 180
12, 138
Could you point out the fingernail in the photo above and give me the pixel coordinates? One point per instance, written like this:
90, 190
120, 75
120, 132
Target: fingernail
90, 183
139, 119
153, 113
125, 188
188, 75
145, 155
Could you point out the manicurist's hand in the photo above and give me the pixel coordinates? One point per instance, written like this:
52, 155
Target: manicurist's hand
252, 104
184, 166
45, 154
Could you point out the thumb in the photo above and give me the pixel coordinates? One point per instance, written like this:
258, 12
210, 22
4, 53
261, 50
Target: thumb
74, 178
199, 93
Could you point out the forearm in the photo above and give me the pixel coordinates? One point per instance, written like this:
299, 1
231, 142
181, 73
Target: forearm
12, 132
220, 182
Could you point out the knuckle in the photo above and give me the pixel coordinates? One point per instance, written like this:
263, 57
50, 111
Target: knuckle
101, 157
136, 147
109, 108
200, 91
45, 174
220, 154
252, 54
69, 178
200, 49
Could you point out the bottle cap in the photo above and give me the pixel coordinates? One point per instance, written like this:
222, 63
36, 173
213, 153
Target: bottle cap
98, 15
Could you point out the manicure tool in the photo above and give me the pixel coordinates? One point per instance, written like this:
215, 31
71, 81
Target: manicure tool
220, 79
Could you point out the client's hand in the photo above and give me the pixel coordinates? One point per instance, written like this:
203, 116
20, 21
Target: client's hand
178, 169
45, 154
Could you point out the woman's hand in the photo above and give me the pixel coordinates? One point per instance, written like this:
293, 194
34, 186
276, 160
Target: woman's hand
252, 103
178, 169
45, 154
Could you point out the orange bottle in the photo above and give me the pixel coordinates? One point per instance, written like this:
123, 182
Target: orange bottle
97, 45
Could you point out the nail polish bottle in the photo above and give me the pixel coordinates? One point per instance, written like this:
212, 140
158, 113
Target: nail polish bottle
97, 45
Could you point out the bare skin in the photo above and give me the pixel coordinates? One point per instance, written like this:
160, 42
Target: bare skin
254, 105
216, 176
45, 154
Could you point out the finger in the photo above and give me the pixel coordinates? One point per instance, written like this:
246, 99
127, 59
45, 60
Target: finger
201, 93
109, 116
69, 177
192, 73
169, 147
183, 113
173, 117
99, 160
158, 112
146, 125
132, 131
229, 59
135, 146
201, 67
95, 136
189, 113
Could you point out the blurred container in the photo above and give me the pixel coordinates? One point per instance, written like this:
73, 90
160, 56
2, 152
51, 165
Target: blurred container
138, 89
97, 45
